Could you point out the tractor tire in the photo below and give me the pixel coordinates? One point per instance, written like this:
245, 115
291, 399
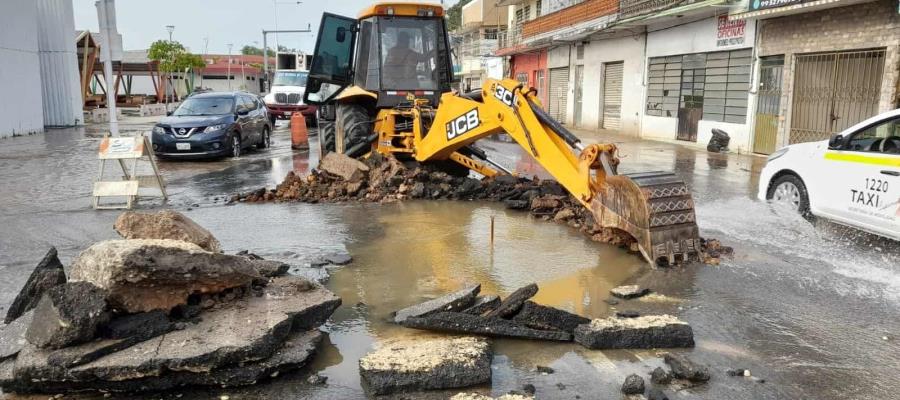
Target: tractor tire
326, 136
354, 123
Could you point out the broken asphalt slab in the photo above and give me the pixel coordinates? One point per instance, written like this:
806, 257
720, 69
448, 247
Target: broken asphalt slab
455, 301
49, 273
293, 354
537, 316
244, 331
348, 168
483, 304
165, 224
67, 314
455, 322
426, 363
629, 291
12, 336
647, 332
152, 274
512, 303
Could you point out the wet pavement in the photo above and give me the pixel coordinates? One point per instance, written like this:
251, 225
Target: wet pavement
805, 307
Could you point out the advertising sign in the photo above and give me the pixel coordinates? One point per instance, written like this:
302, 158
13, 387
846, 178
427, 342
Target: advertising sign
764, 4
730, 33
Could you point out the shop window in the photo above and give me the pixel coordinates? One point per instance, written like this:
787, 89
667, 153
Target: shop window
716, 82
522, 77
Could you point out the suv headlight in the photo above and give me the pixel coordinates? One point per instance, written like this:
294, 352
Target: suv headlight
213, 128
159, 130
778, 153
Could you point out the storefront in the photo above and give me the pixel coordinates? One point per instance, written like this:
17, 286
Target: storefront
823, 68
698, 78
608, 83
531, 69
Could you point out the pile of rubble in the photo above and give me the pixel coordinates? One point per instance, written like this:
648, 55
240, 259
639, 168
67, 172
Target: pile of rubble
385, 179
160, 309
424, 363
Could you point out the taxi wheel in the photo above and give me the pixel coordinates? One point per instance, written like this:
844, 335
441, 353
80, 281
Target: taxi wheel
790, 191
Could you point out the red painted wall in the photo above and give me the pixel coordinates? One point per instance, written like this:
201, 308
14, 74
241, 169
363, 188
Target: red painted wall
529, 64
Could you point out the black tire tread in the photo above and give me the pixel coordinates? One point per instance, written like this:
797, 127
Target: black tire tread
355, 122
804, 194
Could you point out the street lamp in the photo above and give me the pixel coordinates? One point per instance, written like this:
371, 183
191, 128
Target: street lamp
275, 4
228, 75
170, 28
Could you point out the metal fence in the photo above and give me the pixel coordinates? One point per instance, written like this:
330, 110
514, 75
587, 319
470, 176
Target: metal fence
833, 91
510, 38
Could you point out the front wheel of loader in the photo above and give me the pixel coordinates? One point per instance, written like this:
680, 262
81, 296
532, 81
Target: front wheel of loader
326, 136
353, 125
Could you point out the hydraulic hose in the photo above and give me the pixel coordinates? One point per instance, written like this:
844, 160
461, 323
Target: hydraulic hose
555, 126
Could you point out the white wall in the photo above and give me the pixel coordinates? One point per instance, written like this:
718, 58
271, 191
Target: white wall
696, 37
59, 63
596, 53
20, 77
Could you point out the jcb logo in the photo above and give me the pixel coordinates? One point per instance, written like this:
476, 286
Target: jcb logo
505, 95
462, 124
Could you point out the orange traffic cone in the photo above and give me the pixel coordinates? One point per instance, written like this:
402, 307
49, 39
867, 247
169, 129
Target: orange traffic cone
299, 135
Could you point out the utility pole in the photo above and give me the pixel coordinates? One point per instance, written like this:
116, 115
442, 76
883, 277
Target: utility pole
228, 75
266, 54
170, 85
110, 50
205, 51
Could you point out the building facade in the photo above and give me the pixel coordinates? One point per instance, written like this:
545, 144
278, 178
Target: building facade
768, 73
476, 42
823, 67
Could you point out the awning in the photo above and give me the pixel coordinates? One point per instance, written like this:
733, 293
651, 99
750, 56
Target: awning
795, 9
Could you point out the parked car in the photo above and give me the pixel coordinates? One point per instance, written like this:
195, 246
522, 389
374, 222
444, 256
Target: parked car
213, 124
852, 179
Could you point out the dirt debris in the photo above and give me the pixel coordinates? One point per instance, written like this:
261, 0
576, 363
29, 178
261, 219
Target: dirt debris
384, 179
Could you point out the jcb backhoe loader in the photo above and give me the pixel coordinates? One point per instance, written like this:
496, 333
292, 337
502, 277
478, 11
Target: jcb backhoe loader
383, 84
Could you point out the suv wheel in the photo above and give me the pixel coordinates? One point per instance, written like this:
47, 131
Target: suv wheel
265, 140
236, 145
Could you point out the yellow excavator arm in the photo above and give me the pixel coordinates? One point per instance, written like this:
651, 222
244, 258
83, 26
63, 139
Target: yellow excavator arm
655, 208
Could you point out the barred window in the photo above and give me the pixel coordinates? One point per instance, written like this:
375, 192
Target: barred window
716, 82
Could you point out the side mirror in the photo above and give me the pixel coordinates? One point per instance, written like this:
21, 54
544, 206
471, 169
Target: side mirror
341, 35
836, 142
243, 111
169, 113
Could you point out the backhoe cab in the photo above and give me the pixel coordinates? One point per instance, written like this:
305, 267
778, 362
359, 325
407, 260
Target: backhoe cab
383, 85
392, 52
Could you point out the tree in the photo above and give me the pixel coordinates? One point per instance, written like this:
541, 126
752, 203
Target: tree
454, 14
173, 57
255, 51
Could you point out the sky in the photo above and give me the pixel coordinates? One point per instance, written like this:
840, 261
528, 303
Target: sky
240, 22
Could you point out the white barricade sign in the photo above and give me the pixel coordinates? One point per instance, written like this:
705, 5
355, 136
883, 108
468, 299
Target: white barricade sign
122, 149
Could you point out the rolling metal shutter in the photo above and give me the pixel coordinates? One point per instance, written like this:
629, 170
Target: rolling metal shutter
612, 96
559, 90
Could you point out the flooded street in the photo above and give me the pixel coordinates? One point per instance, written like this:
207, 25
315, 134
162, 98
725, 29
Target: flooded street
813, 309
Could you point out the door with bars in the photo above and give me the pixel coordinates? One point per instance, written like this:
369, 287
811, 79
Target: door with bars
768, 104
833, 91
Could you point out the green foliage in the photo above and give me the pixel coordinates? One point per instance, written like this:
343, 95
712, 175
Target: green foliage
172, 56
255, 51
454, 14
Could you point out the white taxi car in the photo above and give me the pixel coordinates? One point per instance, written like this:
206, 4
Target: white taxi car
852, 179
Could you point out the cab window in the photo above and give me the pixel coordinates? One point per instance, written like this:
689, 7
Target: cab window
408, 53
883, 137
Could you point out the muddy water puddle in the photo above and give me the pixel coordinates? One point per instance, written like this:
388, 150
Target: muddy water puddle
406, 253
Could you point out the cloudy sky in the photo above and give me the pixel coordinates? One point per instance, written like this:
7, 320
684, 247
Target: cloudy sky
239, 22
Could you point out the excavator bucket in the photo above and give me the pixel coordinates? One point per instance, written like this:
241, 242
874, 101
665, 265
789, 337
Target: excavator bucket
656, 208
